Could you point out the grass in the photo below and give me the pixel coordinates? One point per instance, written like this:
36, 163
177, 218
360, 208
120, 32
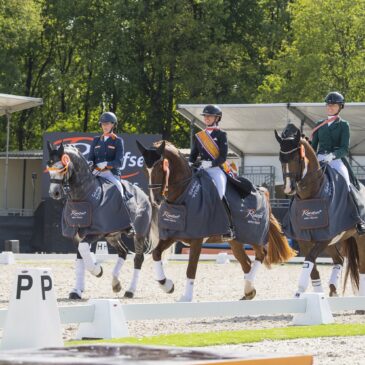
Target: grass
236, 337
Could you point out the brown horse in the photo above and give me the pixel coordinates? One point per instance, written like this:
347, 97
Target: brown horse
169, 175
304, 177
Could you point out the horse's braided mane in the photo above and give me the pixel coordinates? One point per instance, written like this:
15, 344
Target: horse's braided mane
73, 149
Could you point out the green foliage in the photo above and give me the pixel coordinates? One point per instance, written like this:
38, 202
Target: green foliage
324, 53
136, 58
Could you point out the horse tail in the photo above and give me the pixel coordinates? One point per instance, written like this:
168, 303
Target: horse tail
278, 248
352, 254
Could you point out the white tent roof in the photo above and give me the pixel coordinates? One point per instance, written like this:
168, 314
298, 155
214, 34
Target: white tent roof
250, 127
14, 103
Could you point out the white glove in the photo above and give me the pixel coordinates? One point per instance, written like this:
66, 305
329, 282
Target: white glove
206, 164
328, 158
102, 165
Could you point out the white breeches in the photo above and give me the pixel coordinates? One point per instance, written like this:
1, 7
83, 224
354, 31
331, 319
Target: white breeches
108, 175
219, 178
340, 167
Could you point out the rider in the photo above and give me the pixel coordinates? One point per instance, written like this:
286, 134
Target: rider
106, 153
331, 139
214, 165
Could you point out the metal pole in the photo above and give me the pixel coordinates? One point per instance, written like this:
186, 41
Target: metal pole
6, 161
191, 133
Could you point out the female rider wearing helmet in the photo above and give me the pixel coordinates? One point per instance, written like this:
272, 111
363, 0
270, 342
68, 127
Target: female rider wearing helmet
211, 146
331, 140
107, 150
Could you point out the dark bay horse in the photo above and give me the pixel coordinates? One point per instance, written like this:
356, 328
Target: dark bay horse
303, 178
169, 176
71, 176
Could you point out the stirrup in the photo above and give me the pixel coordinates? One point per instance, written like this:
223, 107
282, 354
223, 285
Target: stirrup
360, 228
130, 232
230, 235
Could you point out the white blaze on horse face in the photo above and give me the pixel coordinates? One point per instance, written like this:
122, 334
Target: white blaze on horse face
54, 174
287, 184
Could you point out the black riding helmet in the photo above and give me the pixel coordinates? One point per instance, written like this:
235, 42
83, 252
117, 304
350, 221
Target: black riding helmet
213, 110
335, 97
108, 117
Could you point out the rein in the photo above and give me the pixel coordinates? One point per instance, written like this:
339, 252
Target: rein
164, 186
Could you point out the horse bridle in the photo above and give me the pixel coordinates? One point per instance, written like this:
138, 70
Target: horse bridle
298, 175
164, 186
63, 171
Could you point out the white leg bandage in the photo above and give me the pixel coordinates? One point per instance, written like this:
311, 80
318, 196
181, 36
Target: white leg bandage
80, 275
89, 259
304, 276
118, 267
335, 275
189, 290
252, 274
159, 273
317, 286
134, 282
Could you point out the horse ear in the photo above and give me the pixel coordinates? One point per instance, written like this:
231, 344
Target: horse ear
297, 136
61, 149
160, 150
278, 138
141, 148
50, 147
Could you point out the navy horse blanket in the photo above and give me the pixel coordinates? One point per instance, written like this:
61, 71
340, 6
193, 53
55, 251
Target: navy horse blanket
199, 213
329, 213
103, 211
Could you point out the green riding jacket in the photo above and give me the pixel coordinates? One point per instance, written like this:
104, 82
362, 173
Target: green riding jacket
334, 138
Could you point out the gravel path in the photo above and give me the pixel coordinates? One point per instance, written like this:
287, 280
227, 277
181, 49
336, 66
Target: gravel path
214, 283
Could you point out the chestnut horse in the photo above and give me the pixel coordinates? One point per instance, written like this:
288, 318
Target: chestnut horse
169, 176
304, 176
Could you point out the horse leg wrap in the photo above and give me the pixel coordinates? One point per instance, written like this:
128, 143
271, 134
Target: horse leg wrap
317, 286
335, 275
118, 267
362, 285
80, 275
252, 274
134, 282
159, 273
304, 276
89, 259
189, 289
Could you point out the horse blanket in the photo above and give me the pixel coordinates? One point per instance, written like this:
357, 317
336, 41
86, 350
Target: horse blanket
329, 213
199, 213
103, 211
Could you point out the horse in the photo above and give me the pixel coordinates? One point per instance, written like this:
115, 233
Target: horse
70, 175
304, 178
169, 176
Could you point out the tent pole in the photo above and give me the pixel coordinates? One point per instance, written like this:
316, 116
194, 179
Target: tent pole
6, 160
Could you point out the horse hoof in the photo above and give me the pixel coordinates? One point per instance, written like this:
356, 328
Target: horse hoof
100, 273
360, 312
116, 285
128, 294
171, 290
333, 291
249, 296
74, 296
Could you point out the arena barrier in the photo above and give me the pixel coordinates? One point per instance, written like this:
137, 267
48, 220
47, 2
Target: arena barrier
33, 319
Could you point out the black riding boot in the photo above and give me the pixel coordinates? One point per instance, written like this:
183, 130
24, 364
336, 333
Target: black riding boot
356, 197
231, 235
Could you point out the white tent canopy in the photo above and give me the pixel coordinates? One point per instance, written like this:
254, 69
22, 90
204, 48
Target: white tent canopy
8, 105
14, 103
250, 127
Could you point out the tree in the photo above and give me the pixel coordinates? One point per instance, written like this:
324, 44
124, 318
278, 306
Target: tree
325, 53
